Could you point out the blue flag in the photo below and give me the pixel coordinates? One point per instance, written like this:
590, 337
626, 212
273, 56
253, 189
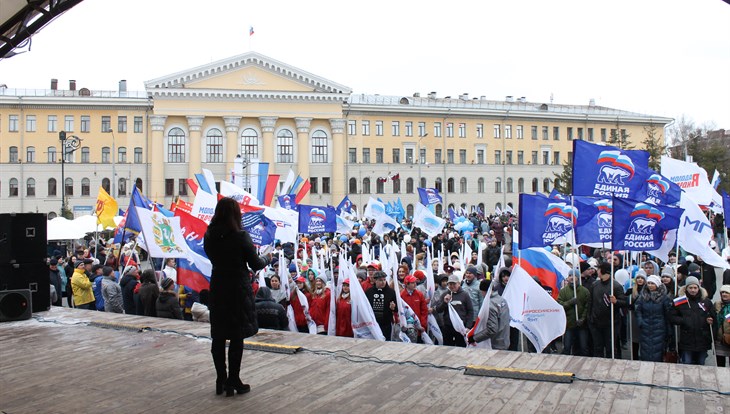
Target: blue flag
429, 196
556, 195
260, 227
317, 219
288, 201
597, 227
726, 208
661, 190
452, 215
638, 226
605, 171
345, 205
545, 220
132, 225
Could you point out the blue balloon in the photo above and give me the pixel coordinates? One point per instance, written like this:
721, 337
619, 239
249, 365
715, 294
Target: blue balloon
362, 231
343, 238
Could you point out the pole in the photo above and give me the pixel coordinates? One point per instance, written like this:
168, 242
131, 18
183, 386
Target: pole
62, 138
613, 330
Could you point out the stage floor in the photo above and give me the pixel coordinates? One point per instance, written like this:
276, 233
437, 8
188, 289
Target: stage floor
68, 360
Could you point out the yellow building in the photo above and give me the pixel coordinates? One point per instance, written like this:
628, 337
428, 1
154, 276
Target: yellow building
478, 152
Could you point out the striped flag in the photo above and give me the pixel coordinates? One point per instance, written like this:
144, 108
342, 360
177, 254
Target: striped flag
680, 301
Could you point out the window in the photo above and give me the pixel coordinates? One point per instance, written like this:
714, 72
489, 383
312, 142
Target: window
85, 187
353, 186
409, 211
396, 155
480, 130
138, 155
122, 155
450, 156
395, 128
510, 187
366, 155
122, 124
378, 155
450, 185
351, 127
284, 146
497, 131
13, 152
366, 127
176, 145
534, 158
106, 123
520, 157
570, 133
498, 185
409, 156
437, 129
437, 156
590, 134
421, 129
13, 121
580, 133
13, 187
439, 210
396, 186
85, 155
169, 187
533, 132
497, 157
68, 123
462, 130
556, 158
409, 128
520, 132
86, 123
521, 185
603, 134
137, 124
325, 185
439, 185
52, 155
450, 130
546, 185
556, 133
30, 154
508, 157
480, 156
30, 124
624, 136
534, 185
69, 187
314, 188
379, 128
508, 132
462, 185
480, 185
545, 157
51, 187
68, 156
106, 184
545, 136
105, 155
319, 147
352, 155
570, 156
122, 188
182, 186
409, 185
249, 143
52, 123
30, 187
462, 156
422, 156
380, 186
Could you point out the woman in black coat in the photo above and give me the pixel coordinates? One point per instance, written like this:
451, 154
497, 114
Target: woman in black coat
694, 317
231, 303
652, 315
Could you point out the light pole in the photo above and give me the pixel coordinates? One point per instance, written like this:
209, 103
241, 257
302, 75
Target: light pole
114, 163
69, 144
420, 159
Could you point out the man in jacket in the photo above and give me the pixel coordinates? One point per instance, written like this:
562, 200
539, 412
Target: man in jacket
575, 296
497, 327
694, 314
129, 281
270, 315
382, 299
415, 300
55, 276
111, 291
599, 313
82, 288
461, 302
470, 284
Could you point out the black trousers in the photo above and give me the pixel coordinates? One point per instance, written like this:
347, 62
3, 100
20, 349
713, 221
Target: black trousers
453, 338
235, 354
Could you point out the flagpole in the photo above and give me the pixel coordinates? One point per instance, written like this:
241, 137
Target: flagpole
613, 330
574, 250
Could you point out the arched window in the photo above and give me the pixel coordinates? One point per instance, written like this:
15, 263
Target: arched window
319, 147
138, 184
481, 207
353, 185
450, 185
52, 187
462, 185
439, 185
521, 185
285, 146
122, 189
510, 186
396, 186
498, 185
30, 154
249, 144
557, 182
52, 215
423, 182
68, 187
13, 187
30, 187
534, 185
106, 185
409, 211
480, 185
176, 145
214, 145
409, 185
379, 186
546, 185
498, 206
439, 209
366, 185
85, 187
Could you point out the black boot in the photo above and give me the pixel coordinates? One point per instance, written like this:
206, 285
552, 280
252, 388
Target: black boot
235, 354
219, 361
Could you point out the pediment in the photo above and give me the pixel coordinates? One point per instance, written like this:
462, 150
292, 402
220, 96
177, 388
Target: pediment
247, 72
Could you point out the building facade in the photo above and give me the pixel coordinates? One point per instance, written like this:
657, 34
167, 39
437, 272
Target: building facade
477, 152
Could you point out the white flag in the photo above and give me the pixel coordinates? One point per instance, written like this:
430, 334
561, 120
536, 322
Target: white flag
695, 233
482, 318
374, 209
287, 223
344, 226
427, 221
311, 325
162, 235
290, 177
497, 211
532, 310
204, 206
384, 224
237, 193
210, 180
691, 177
364, 324
456, 322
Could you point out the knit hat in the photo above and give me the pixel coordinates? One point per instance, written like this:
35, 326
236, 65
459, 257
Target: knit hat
654, 279
166, 283
668, 272
725, 288
692, 281
472, 270
292, 268
584, 266
693, 267
419, 274
53, 262
640, 273
689, 258
574, 272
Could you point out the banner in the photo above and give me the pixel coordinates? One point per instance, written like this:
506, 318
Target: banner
288, 201
162, 235
374, 209
106, 209
195, 271
261, 229
317, 219
638, 226
429, 196
532, 310
597, 229
344, 226
204, 206
543, 220
605, 171
695, 233
427, 221
237, 193
345, 205
690, 177
660, 190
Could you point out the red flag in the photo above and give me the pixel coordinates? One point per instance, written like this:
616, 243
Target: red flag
271, 184
192, 185
303, 191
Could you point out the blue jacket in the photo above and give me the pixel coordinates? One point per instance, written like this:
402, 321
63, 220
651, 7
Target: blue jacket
652, 316
97, 293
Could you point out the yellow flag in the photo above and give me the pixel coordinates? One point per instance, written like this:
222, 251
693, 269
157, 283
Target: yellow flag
106, 208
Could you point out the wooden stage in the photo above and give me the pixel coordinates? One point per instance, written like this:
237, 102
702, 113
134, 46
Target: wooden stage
68, 360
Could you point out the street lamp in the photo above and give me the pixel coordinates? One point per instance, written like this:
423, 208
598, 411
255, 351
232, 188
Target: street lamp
69, 144
420, 159
114, 163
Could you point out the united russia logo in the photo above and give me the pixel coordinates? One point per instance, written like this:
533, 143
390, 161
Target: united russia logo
644, 219
616, 169
317, 218
560, 219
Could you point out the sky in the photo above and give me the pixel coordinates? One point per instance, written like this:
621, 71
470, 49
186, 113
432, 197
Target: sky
667, 58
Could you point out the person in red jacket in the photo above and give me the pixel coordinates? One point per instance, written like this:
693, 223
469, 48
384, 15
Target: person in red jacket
344, 311
319, 306
415, 299
299, 318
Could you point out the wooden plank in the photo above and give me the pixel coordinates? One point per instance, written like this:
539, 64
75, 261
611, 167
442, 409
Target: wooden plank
658, 397
675, 399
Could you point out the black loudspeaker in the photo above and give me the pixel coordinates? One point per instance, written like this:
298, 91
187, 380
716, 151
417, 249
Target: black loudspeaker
15, 305
30, 276
23, 237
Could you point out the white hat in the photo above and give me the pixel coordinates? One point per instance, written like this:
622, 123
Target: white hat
654, 279
690, 258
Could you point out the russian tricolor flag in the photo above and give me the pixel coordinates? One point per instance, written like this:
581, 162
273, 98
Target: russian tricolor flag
680, 301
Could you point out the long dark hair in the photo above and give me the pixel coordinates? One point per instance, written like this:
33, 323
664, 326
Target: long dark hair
227, 214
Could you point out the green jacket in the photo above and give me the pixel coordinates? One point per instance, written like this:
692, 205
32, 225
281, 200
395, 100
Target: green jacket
565, 295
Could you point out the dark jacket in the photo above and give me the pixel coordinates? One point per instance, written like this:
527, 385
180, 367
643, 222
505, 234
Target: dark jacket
55, 276
565, 297
168, 306
599, 307
380, 300
652, 316
497, 326
270, 315
148, 294
231, 303
709, 279
694, 331
462, 305
128, 283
